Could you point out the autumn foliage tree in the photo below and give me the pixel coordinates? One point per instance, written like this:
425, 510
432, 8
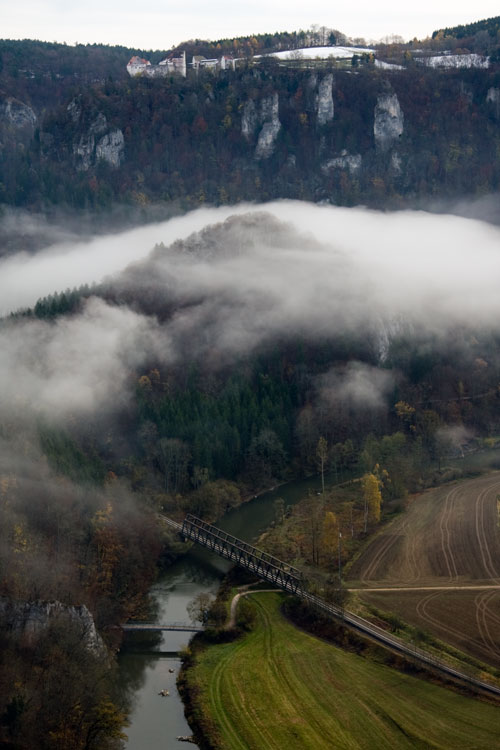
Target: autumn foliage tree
372, 499
329, 536
322, 456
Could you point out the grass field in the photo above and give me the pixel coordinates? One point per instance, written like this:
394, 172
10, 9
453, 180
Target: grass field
281, 689
448, 537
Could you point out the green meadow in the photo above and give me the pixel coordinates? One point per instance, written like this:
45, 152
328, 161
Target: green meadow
283, 689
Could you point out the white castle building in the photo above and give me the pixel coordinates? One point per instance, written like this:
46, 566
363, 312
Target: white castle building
138, 66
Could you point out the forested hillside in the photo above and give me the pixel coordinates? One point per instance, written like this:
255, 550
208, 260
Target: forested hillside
383, 138
211, 408
465, 31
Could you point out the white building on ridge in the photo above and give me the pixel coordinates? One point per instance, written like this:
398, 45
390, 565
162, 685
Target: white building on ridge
138, 66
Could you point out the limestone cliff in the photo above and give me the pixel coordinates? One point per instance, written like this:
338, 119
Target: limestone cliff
389, 121
17, 114
29, 619
250, 119
110, 148
270, 128
351, 162
325, 108
493, 98
266, 116
17, 121
96, 143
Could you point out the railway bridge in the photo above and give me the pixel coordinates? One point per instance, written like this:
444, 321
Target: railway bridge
290, 579
265, 566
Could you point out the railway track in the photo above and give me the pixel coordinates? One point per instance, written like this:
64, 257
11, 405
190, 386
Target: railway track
272, 570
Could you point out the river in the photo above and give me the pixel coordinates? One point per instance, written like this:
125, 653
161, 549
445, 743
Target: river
150, 663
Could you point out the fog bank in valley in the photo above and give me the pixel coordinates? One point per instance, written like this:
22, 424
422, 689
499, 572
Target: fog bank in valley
229, 280
68, 260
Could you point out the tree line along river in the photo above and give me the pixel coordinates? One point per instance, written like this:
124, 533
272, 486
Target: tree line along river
150, 663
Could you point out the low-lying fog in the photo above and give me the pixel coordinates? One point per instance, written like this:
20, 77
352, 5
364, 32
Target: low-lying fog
400, 251
272, 270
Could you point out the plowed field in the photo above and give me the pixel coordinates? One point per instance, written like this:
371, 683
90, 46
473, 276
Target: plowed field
448, 538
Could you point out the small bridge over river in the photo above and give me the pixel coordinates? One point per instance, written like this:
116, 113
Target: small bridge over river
174, 627
290, 579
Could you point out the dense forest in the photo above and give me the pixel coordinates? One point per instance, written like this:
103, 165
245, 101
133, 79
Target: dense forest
489, 26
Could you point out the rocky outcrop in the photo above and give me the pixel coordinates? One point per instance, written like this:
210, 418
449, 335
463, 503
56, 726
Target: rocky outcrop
266, 115
74, 110
386, 331
111, 147
389, 121
250, 119
493, 98
325, 108
16, 114
84, 152
30, 619
17, 122
396, 163
270, 128
90, 147
99, 125
351, 162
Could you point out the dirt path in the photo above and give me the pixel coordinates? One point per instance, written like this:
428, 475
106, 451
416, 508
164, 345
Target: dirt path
242, 591
494, 586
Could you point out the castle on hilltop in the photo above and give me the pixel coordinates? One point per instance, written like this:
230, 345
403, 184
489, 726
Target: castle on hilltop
138, 66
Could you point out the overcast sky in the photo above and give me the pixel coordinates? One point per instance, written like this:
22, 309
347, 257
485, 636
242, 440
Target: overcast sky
161, 24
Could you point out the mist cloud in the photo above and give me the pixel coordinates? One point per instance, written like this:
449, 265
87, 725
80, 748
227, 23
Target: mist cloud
69, 261
297, 269
356, 384
248, 276
75, 365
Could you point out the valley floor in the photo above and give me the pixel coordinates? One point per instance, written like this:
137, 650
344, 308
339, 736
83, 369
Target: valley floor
437, 566
279, 687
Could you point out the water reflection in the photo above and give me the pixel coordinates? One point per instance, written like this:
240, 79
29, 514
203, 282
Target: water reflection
147, 658
156, 721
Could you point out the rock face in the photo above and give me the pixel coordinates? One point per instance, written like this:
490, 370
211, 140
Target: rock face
270, 128
396, 163
90, 147
325, 106
385, 331
266, 115
389, 119
493, 97
250, 119
84, 151
17, 115
17, 123
29, 619
74, 110
351, 162
111, 147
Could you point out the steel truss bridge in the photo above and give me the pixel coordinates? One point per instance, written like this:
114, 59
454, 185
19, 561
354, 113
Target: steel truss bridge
290, 579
